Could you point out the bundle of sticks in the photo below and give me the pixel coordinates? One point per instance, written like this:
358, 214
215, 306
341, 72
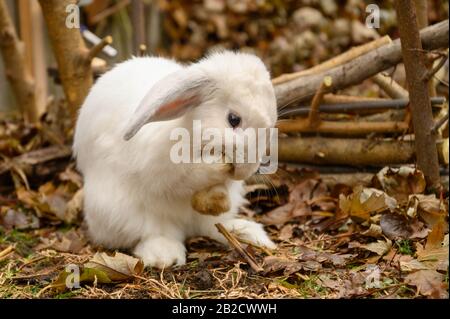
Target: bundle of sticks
319, 126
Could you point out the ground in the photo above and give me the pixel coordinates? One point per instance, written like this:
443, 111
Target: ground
386, 238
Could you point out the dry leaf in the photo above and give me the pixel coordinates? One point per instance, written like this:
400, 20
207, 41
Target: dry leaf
118, 267
428, 283
401, 182
381, 247
395, 226
365, 201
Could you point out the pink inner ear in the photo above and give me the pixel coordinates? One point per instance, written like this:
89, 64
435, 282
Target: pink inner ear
175, 108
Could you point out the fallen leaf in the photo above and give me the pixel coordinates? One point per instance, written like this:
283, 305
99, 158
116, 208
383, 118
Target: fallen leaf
118, 267
401, 182
373, 231
273, 264
18, 220
365, 201
380, 247
428, 207
428, 283
279, 215
395, 226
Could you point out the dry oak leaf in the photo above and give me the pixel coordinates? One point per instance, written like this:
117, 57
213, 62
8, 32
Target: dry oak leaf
365, 201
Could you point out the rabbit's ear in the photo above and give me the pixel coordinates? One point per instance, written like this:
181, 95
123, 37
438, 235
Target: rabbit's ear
168, 99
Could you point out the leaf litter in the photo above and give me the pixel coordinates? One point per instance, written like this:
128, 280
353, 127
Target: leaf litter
387, 239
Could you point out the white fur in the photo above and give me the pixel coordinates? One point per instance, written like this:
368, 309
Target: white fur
135, 197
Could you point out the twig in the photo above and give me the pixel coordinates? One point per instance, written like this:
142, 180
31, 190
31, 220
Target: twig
430, 73
314, 114
5, 252
348, 128
96, 49
390, 87
248, 242
236, 245
359, 107
439, 123
339, 99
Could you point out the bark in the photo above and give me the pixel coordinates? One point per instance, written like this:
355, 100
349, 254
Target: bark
17, 72
71, 53
415, 66
360, 68
354, 152
138, 21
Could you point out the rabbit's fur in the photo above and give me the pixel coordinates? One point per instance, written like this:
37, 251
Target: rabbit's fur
135, 196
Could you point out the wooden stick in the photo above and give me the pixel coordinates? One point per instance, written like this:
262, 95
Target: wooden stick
301, 125
358, 69
5, 252
15, 63
96, 49
352, 152
431, 72
390, 87
37, 157
138, 22
336, 61
439, 123
236, 245
338, 99
369, 106
415, 67
314, 114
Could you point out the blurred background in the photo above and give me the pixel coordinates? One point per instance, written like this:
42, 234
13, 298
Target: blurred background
289, 35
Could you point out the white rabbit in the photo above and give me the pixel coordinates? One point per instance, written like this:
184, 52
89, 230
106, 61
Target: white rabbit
135, 196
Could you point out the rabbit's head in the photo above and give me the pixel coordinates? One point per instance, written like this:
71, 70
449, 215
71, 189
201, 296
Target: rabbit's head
227, 93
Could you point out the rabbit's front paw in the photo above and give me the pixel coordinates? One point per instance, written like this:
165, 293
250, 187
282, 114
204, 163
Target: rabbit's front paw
211, 201
251, 231
161, 252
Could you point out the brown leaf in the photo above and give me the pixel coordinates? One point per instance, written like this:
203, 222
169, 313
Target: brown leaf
70, 242
273, 264
118, 267
279, 215
395, 226
429, 208
18, 220
401, 182
380, 247
365, 201
428, 283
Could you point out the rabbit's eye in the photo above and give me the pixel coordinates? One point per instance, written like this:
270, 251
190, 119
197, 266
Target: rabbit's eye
234, 120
